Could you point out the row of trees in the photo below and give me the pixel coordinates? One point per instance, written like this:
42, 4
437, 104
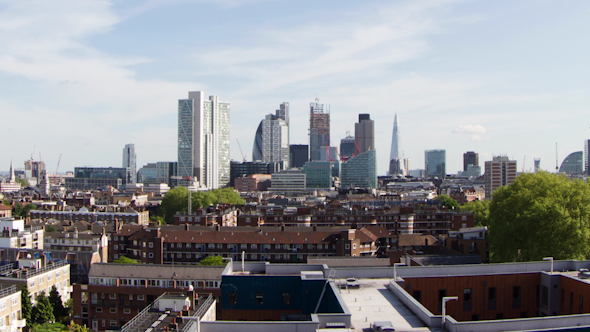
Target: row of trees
47, 310
176, 200
538, 215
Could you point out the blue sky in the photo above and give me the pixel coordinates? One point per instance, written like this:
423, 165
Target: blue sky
83, 78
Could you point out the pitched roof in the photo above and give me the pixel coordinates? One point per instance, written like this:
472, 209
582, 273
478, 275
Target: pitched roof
416, 240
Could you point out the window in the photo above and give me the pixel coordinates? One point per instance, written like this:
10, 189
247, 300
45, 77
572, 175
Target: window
277, 246
14, 301
113, 310
211, 245
179, 255
220, 246
259, 298
467, 299
492, 298
112, 296
253, 246
188, 245
151, 255
347, 246
310, 246
354, 246
113, 322
116, 247
126, 311
143, 254
418, 295
130, 297
135, 243
150, 244
267, 246
98, 309
516, 297
286, 298
320, 246
140, 297
3, 305
233, 297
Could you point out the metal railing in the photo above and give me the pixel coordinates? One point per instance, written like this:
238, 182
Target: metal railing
200, 312
48, 267
7, 291
136, 321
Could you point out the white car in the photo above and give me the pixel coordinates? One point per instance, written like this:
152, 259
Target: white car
352, 282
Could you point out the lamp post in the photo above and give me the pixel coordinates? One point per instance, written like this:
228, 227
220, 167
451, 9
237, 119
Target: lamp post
549, 259
444, 307
549, 288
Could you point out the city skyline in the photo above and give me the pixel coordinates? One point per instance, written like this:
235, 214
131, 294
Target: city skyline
463, 76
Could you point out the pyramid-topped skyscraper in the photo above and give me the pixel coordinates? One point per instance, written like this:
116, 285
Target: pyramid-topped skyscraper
396, 164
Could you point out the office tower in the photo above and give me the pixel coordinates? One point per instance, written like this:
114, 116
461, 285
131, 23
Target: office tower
319, 129
271, 142
129, 162
241, 169
537, 164
359, 171
364, 133
470, 158
318, 174
166, 172
33, 171
298, 155
498, 172
435, 163
203, 140
395, 160
347, 147
573, 164
587, 156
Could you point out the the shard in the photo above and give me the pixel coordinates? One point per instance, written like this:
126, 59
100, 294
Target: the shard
396, 164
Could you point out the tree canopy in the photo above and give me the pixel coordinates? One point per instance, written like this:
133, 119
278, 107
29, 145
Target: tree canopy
540, 215
59, 311
176, 200
125, 260
480, 210
42, 311
26, 306
448, 202
22, 211
212, 260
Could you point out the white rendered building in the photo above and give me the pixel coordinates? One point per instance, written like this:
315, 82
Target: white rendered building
15, 235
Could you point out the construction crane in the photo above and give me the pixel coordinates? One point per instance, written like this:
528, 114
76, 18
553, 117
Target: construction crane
239, 146
56, 169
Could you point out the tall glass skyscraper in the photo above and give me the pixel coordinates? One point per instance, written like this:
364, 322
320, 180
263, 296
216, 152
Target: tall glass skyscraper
271, 142
203, 140
396, 164
360, 171
129, 162
319, 130
435, 163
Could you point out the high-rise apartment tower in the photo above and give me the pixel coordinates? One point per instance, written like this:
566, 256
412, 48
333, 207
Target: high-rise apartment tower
130, 163
203, 140
498, 172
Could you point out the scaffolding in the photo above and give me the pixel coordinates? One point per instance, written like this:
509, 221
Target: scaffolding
319, 129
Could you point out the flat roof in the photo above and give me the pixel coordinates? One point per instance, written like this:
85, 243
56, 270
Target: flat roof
374, 302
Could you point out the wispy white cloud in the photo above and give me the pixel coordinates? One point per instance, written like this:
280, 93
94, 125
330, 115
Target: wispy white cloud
470, 129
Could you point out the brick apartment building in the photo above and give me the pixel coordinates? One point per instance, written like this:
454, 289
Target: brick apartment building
116, 293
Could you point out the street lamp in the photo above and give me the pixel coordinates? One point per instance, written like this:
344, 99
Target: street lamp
549, 259
444, 307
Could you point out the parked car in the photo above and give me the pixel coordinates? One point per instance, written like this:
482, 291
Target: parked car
382, 326
352, 282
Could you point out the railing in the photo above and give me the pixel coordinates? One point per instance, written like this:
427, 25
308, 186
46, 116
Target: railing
46, 268
7, 291
200, 312
11, 233
136, 321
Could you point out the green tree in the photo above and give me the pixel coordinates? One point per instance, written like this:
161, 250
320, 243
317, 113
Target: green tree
50, 229
448, 202
480, 210
174, 201
158, 220
212, 260
27, 208
59, 311
18, 211
125, 260
42, 311
48, 327
73, 327
540, 215
26, 306
23, 182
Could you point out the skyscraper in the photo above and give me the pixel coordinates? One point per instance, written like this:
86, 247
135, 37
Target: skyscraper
271, 142
435, 163
587, 156
396, 164
360, 171
347, 147
203, 140
129, 162
498, 172
319, 129
470, 158
298, 155
364, 132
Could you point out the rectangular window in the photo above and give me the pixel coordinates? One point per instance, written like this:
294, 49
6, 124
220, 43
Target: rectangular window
112, 296
126, 311
347, 246
259, 298
233, 297
151, 255
516, 297
286, 298
113, 310
150, 244
492, 298
220, 246
467, 299
113, 322
243, 246
99, 309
